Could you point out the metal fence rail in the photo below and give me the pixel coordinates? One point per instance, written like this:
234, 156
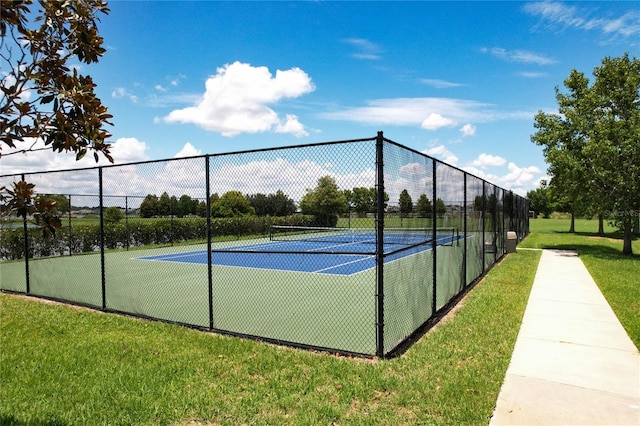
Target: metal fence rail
191, 241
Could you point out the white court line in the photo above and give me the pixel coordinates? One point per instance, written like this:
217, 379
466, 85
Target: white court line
342, 264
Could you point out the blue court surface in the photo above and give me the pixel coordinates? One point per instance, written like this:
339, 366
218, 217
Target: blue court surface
300, 256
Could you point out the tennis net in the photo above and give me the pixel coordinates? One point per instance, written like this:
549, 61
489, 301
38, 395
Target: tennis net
400, 236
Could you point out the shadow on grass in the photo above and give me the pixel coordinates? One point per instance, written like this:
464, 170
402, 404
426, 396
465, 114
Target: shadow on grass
9, 420
598, 251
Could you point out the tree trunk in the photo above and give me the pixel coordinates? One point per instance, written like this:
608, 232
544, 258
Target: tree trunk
636, 226
600, 224
572, 228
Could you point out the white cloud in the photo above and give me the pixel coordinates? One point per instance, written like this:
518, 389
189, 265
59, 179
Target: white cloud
188, 150
124, 150
439, 84
236, 98
468, 130
533, 74
523, 56
560, 14
434, 121
429, 113
413, 169
366, 49
519, 177
486, 160
291, 125
121, 92
441, 153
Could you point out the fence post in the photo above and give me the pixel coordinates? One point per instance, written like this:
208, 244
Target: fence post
434, 230
380, 245
70, 230
126, 220
102, 267
464, 232
209, 254
25, 233
484, 210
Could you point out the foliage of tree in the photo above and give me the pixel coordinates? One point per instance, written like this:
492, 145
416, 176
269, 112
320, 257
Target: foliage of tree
43, 95
113, 214
186, 206
406, 203
424, 207
232, 204
21, 201
441, 208
149, 206
278, 204
592, 145
201, 209
540, 200
363, 200
61, 202
164, 205
326, 202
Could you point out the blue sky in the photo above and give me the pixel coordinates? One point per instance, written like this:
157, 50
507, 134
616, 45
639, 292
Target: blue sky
460, 81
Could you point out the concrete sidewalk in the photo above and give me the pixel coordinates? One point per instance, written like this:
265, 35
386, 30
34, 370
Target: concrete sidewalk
573, 363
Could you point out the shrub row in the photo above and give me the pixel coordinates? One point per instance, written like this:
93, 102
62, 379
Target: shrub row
139, 232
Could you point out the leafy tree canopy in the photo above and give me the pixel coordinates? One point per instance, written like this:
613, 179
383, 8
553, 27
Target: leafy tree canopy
592, 145
232, 204
540, 200
43, 96
424, 207
405, 202
325, 201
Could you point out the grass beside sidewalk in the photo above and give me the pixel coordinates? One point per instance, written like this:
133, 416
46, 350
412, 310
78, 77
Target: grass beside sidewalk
617, 276
64, 365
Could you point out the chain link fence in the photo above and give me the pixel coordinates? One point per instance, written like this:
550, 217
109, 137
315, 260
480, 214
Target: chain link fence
347, 246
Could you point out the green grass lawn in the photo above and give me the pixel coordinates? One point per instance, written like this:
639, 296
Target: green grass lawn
616, 275
64, 365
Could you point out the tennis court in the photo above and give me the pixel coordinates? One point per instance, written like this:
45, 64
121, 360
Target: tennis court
257, 272
318, 250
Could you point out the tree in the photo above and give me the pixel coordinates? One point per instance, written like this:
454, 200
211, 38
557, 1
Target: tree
61, 202
43, 96
113, 214
424, 207
62, 109
441, 208
280, 204
149, 206
201, 209
405, 202
259, 203
232, 204
186, 206
592, 145
540, 200
164, 205
326, 202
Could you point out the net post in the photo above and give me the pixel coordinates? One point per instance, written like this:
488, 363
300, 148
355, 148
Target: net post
379, 245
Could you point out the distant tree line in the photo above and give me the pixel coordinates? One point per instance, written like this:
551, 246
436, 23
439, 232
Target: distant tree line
326, 202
